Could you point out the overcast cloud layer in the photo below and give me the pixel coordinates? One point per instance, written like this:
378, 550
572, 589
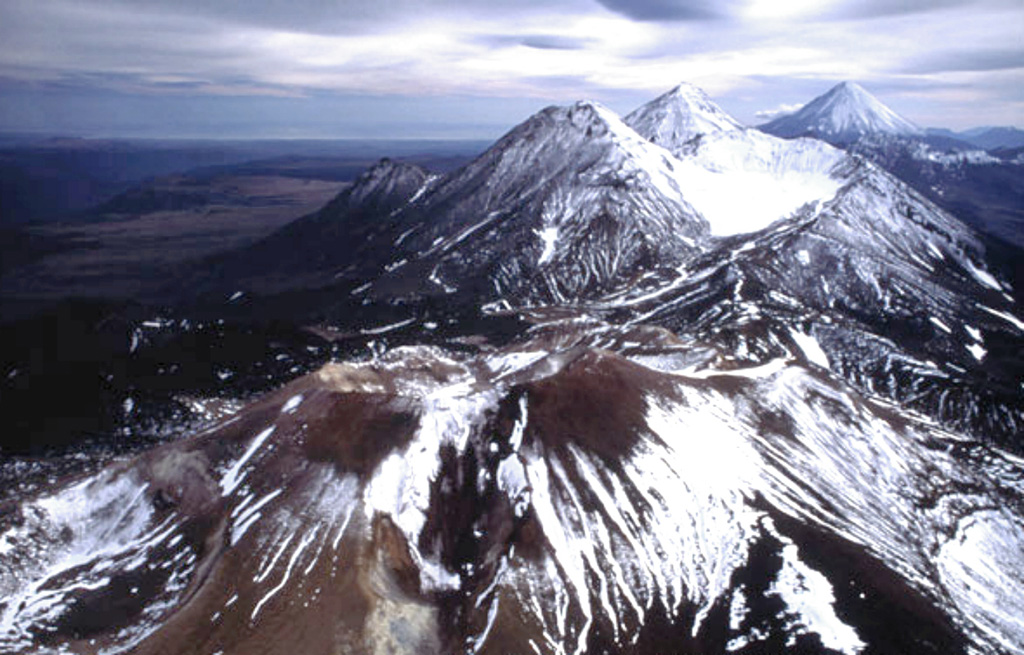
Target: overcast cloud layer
472, 69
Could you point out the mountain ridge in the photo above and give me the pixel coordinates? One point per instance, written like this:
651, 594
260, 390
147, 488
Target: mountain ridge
575, 207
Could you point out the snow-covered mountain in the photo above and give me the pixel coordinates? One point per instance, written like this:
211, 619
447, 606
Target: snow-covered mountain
843, 114
767, 399
678, 116
950, 169
570, 203
576, 207
595, 202
719, 156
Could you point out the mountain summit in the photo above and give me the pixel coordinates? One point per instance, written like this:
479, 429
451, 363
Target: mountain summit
676, 117
842, 115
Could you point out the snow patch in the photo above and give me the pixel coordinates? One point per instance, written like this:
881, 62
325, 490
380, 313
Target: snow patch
400, 487
939, 324
983, 276
435, 577
809, 598
1009, 318
980, 568
292, 404
234, 475
383, 329
744, 181
549, 236
811, 349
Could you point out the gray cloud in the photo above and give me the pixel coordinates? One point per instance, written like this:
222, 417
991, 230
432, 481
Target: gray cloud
671, 10
852, 9
311, 16
552, 42
331, 17
855, 9
967, 61
421, 49
696, 10
536, 41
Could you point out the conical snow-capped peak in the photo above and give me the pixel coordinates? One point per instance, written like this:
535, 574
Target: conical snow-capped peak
842, 115
676, 117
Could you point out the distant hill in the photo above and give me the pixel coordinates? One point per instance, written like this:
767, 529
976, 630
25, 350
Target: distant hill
992, 138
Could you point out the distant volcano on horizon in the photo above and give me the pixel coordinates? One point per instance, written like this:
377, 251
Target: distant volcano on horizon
843, 114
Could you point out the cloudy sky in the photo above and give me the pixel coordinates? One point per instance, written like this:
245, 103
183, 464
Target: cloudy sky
472, 69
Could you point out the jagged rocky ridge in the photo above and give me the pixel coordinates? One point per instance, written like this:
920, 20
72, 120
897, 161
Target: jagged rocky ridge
570, 204
704, 231
795, 431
